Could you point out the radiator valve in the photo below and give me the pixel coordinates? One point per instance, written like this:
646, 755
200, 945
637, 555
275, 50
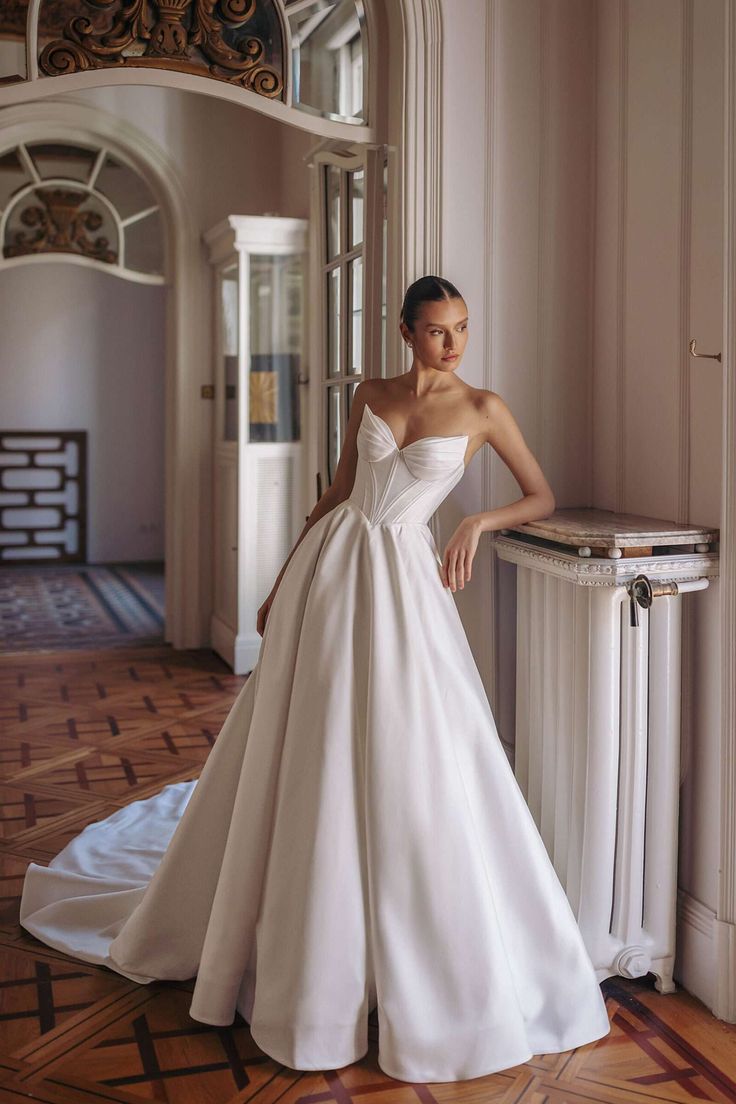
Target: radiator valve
642, 592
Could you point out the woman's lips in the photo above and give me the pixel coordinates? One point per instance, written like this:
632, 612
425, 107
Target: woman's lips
452, 357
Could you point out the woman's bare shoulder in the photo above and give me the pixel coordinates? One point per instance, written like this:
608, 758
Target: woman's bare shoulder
485, 409
369, 389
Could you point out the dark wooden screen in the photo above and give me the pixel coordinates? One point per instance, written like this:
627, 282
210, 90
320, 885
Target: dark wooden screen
43, 496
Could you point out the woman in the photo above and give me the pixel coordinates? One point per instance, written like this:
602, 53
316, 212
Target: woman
356, 838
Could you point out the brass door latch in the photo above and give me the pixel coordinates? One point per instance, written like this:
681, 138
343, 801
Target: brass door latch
706, 356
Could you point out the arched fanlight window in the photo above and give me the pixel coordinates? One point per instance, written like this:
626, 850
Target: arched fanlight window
309, 54
59, 198
327, 46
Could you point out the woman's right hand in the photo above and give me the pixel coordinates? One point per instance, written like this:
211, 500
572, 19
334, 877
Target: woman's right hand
263, 613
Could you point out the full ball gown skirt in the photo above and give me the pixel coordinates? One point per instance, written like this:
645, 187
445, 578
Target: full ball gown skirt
356, 838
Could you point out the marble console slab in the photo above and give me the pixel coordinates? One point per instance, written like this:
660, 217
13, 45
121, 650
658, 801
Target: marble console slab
604, 533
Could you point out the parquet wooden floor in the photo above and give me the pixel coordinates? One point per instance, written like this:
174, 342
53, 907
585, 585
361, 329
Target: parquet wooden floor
86, 732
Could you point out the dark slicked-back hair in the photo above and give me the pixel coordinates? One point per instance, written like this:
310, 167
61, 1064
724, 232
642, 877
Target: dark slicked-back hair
433, 289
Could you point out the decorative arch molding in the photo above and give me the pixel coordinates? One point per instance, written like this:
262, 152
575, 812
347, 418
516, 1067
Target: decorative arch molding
184, 354
415, 130
247, 80
243, 43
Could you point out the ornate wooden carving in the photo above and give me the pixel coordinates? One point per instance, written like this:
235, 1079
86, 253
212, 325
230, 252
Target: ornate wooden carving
238, 41
61, 227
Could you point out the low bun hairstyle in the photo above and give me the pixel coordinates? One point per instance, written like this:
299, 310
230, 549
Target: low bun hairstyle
433, 289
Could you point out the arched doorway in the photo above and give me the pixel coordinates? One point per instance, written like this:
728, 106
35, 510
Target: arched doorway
403, 116
76, 123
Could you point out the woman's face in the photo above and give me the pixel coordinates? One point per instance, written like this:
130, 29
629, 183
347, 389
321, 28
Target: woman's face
439, 335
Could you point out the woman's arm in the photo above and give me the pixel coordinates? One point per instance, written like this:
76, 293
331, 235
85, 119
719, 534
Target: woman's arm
505, 437
502, 434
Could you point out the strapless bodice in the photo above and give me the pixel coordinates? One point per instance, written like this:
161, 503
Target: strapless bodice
407, 484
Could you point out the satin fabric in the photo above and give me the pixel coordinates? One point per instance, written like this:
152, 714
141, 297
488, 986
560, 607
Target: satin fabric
356, 838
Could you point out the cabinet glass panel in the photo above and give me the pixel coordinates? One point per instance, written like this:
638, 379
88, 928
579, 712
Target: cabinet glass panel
229, 334
275, 311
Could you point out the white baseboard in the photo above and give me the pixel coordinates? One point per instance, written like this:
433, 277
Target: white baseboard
695, 959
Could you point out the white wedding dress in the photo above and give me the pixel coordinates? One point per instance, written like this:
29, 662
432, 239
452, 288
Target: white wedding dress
356, 838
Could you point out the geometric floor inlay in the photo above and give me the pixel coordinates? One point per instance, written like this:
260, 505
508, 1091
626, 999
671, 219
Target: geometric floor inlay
85, 732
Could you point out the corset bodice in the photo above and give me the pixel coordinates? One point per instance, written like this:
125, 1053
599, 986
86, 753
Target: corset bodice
407, 484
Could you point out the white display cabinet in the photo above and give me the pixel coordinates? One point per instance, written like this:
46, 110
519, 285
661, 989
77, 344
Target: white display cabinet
259, 274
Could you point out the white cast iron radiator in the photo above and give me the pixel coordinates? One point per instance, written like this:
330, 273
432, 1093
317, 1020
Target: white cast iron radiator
598, 722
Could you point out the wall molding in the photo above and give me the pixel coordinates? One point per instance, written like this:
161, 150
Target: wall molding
542, 224
621, 258
592, 266
415, 131
684, 307
489, 576
686, 193
415, 177
725, 964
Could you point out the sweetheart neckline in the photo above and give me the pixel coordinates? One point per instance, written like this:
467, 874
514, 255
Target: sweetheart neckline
430, 437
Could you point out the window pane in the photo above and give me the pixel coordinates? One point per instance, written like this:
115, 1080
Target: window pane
333, 321
59, 159
350, 389
13, 175
332, 193
334, 431
144, 244
356, 314
356, 207
124, 188
13, 47
356, 72
327, 57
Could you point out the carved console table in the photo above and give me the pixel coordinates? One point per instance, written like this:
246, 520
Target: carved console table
598, 717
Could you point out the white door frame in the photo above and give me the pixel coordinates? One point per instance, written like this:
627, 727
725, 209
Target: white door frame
187, 363
725, 922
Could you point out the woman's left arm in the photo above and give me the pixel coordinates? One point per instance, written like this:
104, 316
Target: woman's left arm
503, 434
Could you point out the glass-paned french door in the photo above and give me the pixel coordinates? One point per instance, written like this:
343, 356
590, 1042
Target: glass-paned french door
352, 215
